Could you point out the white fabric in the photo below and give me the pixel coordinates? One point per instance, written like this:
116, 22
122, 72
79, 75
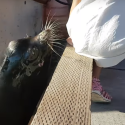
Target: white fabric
97, 29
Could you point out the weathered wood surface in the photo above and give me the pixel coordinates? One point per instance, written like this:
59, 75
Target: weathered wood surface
67, 99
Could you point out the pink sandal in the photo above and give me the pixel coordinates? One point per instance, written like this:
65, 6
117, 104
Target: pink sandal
98, 93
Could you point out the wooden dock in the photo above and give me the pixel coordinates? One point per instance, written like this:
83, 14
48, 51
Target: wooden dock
67, 99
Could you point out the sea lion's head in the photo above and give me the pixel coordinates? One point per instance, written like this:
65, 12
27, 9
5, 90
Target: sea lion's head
42, 44
26, 56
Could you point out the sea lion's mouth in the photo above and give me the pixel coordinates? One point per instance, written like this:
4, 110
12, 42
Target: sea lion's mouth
41, 64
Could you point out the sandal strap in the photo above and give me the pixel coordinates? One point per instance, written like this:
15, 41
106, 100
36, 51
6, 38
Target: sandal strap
97, 86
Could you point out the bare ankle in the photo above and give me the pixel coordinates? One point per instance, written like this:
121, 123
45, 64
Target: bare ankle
96, 70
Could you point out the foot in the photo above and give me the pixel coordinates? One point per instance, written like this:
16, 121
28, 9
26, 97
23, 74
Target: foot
98, 93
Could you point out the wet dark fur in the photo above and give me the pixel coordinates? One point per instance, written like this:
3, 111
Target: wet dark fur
17, 104
18, 101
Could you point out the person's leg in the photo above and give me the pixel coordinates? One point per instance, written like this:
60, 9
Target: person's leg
98, 94
96, 70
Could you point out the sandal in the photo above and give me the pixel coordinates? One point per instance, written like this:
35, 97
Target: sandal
98, 93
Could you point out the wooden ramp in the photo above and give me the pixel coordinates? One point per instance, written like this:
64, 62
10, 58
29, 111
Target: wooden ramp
67, 99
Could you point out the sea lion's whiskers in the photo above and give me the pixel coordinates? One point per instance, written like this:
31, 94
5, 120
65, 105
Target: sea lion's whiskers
53, 24
53, 28
55, 32
57, 43
54, 39
51, 33
47, 19
50, 20
56, 23
53, 49
58, 47
54, 35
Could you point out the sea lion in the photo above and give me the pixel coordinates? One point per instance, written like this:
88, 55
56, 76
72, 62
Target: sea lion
22, 77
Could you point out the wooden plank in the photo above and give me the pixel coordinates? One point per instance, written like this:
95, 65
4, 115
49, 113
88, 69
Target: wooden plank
67, 99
